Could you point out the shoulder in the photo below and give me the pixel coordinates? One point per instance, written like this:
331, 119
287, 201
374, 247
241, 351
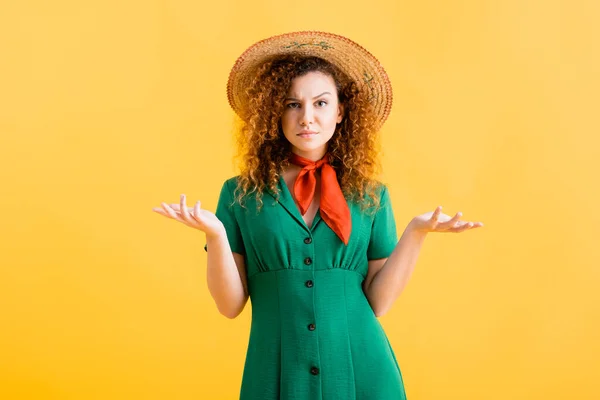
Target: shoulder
381, 191
231, 183
234, 194
228, 189
380, 197
373, 198
380, 188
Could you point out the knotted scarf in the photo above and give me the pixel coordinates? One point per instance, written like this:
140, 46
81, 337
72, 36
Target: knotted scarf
334, 208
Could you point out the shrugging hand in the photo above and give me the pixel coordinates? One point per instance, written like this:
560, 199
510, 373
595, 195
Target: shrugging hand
436, 221
195, 217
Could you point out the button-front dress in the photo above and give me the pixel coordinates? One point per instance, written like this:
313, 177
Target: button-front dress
313, 333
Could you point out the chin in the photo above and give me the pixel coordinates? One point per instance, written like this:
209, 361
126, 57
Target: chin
313, 154
309, 147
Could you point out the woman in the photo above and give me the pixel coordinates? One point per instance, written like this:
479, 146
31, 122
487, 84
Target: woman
306, 231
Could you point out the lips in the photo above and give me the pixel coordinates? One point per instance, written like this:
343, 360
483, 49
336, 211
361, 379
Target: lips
305, 134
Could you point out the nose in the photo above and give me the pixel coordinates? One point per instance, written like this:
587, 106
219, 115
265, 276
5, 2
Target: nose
306, 116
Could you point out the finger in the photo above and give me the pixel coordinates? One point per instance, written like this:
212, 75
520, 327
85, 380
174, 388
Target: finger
463, 227
436, 214
160, 211
177, 207
170, 212
196, 212
470, 225
452, 222
183, 209
456, 219
475, 225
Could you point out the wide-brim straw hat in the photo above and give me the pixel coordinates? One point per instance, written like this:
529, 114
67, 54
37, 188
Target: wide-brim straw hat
348, 56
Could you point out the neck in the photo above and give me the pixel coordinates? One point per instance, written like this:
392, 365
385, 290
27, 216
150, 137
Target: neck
312, 155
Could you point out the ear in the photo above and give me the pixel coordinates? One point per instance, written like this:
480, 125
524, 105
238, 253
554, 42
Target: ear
340, 113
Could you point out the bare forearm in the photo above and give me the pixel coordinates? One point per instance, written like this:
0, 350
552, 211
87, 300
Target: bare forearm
223, 278
391, 279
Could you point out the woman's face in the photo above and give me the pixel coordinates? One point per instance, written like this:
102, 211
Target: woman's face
311, 114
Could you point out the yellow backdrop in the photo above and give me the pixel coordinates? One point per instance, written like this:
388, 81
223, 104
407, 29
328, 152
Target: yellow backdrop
108, 108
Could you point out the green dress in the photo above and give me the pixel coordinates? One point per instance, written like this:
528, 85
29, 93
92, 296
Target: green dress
313, 333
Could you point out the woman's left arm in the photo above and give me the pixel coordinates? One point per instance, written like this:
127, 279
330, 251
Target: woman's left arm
387, 277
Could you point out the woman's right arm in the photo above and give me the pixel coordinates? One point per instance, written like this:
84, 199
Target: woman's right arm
226, 271
226, 276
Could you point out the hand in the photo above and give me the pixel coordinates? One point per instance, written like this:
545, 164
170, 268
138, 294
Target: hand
194, 217
436, 221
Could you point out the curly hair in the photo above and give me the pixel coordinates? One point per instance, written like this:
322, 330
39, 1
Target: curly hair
263, 150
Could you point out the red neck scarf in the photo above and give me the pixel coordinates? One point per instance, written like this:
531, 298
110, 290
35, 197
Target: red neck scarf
334, 208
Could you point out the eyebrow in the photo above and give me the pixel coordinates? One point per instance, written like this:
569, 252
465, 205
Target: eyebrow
316, 97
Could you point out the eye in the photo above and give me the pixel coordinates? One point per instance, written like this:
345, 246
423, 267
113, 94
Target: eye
293, 105
322, 101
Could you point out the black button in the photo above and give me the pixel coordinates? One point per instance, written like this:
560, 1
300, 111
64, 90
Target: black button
314, 371
308, 240
311, 327
309, 283
307, 261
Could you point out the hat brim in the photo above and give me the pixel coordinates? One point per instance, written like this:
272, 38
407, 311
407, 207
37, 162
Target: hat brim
351, 58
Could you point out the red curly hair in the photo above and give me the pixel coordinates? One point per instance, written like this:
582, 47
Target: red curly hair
263, 150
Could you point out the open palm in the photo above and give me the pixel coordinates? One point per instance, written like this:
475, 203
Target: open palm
436, 221
194, 217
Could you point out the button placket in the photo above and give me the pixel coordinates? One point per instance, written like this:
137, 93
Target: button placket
311, 326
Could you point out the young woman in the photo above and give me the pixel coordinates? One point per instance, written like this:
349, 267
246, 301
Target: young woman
306, 231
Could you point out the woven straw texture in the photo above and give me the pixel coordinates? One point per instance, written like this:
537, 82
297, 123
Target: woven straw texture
350, 57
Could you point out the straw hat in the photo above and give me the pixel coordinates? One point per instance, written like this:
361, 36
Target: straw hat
350, 57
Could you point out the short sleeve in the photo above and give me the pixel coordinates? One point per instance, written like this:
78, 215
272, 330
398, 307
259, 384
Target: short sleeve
383, 232
226, 215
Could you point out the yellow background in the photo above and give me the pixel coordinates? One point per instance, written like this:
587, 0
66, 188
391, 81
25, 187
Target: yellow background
108, 108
